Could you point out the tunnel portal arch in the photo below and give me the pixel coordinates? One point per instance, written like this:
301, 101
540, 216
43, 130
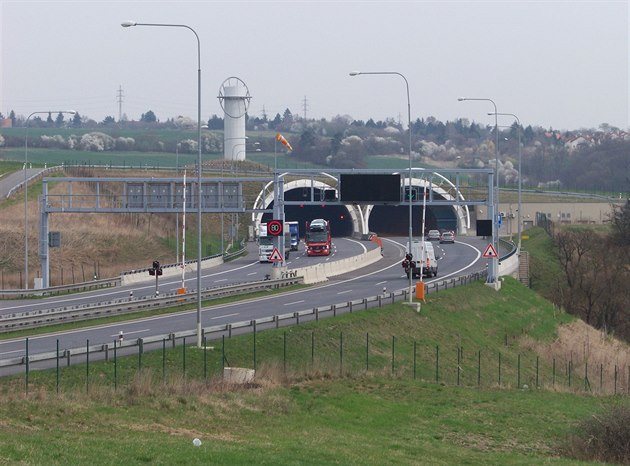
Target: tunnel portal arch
352, 218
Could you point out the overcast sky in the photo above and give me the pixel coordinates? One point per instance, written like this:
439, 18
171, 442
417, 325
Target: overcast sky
560, 64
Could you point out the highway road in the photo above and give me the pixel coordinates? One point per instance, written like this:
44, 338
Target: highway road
461, 258
246, 268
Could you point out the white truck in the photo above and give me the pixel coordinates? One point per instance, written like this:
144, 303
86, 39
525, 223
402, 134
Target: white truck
265, 243
421, 256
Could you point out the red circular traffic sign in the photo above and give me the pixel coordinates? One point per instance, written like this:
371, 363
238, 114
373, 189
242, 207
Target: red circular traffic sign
274, 228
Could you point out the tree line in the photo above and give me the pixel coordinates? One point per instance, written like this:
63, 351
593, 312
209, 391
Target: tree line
596, 273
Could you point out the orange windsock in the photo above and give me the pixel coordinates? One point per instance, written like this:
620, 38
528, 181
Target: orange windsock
281, 138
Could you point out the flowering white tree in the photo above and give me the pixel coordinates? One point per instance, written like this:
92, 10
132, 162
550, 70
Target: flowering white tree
124, 144
188, 146
185, 122
53, 141
96, 142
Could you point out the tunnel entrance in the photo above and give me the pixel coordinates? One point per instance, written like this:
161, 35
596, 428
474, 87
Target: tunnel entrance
337, 215
394, 220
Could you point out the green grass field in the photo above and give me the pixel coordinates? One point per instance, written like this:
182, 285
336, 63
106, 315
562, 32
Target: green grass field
318, 399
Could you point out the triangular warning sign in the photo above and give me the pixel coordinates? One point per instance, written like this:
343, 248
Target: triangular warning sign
275, 256
490, 252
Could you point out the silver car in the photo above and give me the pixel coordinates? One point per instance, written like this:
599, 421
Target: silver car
447, 237
433, 235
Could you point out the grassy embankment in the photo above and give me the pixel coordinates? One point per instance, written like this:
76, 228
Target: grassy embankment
325, 406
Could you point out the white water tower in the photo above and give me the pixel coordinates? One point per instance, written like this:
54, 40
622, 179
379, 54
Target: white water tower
234, 99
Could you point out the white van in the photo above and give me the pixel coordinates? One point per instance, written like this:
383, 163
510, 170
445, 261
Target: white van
422, 257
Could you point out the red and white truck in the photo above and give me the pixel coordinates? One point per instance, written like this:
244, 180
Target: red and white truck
318, 240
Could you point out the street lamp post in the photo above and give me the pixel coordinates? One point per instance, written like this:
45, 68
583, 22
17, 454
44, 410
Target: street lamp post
72, 112
127, 24
357, 73
520, 189
494, 272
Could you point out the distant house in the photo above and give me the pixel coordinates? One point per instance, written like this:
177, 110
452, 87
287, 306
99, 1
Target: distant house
578, 142
6, 123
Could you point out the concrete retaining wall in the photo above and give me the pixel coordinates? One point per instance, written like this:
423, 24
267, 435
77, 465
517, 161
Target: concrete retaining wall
170, 272
320, 272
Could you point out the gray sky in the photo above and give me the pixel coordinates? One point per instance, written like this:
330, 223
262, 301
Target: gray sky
560, 64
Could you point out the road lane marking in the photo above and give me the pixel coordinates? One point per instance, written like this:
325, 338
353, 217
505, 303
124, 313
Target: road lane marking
346, 291
226, 315
132, 332
294, 302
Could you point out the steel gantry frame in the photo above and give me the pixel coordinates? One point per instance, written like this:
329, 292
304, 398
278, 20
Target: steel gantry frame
225, 195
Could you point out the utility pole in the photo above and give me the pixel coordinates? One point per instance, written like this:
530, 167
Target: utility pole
120, 96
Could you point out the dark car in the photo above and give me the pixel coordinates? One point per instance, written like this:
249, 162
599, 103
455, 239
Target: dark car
447, 237
433, 235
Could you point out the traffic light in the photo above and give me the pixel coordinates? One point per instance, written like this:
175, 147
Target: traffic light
156, 269
414, 193
409, 257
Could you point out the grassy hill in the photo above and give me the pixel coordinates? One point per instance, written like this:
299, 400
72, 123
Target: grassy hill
317, 401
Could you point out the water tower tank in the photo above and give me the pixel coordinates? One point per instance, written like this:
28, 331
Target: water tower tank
234, 99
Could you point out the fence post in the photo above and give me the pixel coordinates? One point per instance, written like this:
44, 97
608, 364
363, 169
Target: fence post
459, 364
437, 363
316, 311
479, 368
350, 306
334, 309
393, 353
205, 358
340, 353
57, 375
184, 357
139, 341
87, 366
115, 368
367, 351
27, 368
284, 351
365, 304
254, 322
163, 360
414, 360
297, 318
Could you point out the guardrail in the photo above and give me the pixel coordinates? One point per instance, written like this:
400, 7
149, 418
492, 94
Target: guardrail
62, 289
104, 282
217, 331
41, 318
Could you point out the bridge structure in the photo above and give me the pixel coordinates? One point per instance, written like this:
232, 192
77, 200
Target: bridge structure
284, 195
